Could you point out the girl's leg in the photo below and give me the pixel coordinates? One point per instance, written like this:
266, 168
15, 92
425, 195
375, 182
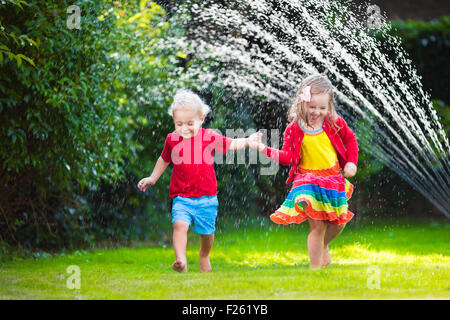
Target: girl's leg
207, 242
332, 231
180, 229
316, 241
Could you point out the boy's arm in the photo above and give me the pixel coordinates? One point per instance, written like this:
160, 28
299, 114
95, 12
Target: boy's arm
163, 160
238, 144
158, 170
222, 143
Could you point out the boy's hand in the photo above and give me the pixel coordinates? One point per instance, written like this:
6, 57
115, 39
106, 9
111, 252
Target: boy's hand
349, 169
145, 183
254, 140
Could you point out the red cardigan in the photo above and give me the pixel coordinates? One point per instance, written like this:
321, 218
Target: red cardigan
344, 141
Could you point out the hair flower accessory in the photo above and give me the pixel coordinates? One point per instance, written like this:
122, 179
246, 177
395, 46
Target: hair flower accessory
306, 94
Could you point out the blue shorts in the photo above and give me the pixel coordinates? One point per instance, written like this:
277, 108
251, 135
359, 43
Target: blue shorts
201, 211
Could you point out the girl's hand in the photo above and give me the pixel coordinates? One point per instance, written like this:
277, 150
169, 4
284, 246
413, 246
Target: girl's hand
349, 169
254, 140
145, 183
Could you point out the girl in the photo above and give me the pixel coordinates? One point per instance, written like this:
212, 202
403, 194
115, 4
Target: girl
318, 145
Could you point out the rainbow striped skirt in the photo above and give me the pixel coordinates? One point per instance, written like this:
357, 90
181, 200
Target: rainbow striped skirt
316, 197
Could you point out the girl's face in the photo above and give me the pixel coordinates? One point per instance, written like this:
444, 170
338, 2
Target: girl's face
187, 121
318, 107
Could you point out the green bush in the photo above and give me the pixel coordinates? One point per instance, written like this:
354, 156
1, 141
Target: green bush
74, 121
59, 120
428, 45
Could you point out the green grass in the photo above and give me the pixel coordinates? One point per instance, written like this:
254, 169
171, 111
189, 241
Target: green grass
255, 260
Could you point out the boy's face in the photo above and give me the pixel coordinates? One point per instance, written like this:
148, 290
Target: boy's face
187, 121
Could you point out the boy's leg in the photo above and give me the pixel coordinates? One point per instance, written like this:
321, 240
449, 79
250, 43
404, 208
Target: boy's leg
331, 232
204, 224
316, 241
180, 229
205, 249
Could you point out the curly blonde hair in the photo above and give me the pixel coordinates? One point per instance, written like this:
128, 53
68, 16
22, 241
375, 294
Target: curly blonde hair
319, 84
185, 98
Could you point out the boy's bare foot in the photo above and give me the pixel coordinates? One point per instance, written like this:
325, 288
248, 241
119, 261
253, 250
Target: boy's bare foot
179, 266
326, 258
205, 265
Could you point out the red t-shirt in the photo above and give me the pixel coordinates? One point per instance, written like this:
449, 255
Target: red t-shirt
193, 173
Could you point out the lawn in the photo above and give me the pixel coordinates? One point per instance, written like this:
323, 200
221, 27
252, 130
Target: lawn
252, 260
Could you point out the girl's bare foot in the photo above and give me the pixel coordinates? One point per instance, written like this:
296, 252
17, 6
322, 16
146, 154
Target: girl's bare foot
313, 267
326, 258
179, 266
205, 265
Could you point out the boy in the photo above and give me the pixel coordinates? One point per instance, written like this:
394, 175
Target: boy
193, 184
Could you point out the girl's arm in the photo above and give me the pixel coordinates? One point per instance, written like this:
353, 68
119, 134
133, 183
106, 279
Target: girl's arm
283, 156
350, 142
351, 149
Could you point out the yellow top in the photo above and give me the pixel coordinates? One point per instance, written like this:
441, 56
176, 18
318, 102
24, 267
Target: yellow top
317, 153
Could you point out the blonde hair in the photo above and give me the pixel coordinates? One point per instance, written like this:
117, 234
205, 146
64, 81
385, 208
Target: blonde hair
319, 84
187, 99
